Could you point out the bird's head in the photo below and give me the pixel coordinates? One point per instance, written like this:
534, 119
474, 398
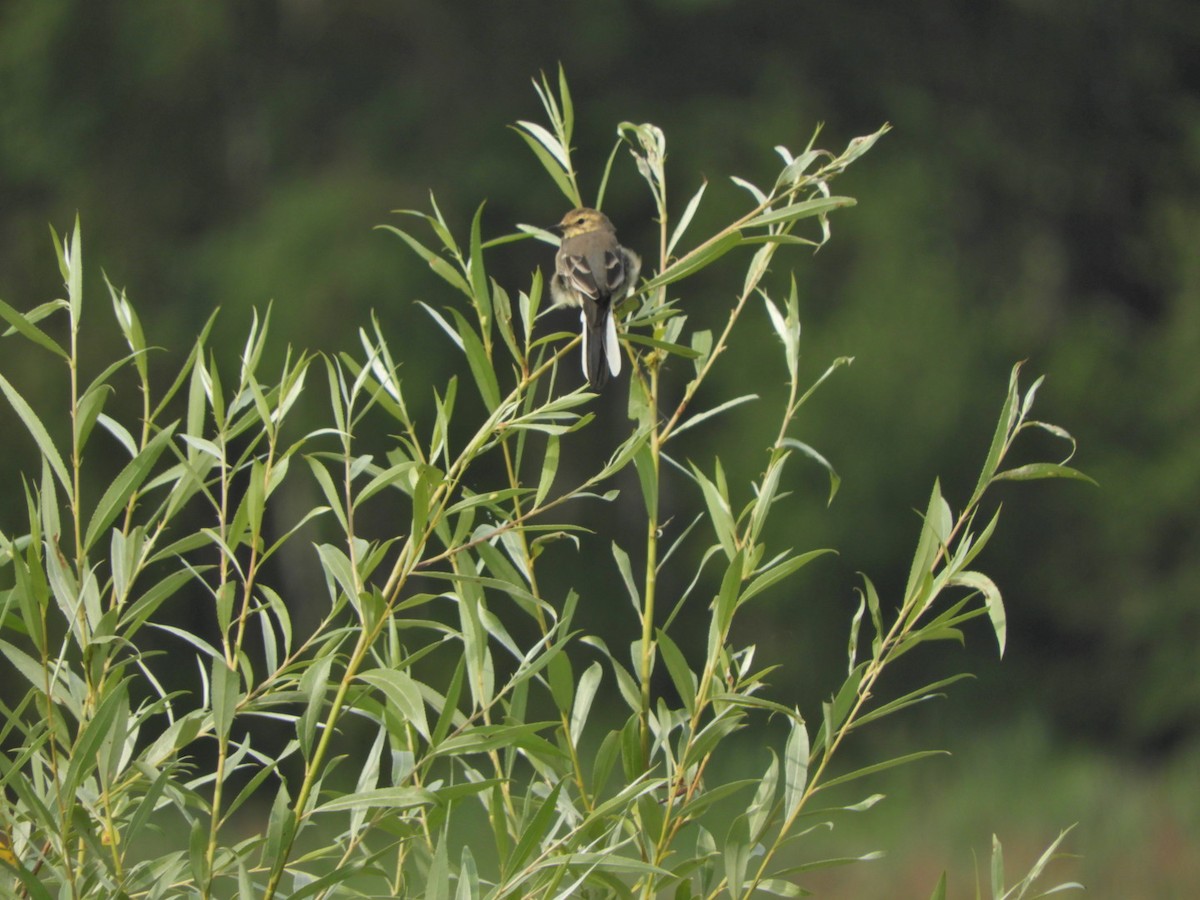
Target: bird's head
582, 221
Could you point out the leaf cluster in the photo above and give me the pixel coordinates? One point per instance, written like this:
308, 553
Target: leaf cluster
591, 781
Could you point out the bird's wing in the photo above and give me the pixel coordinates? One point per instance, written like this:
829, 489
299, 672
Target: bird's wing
578, 273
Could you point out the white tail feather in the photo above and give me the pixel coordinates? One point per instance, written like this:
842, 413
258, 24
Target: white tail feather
583, 357
612, 350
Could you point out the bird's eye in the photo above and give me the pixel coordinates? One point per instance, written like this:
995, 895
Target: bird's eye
581, 220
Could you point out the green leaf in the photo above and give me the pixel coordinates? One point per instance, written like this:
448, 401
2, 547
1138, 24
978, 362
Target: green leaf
795, 767
129, 480
997, 868
22, 325
645, 340
537, 829
403, 694
681, 675
763, 803
737, 855
643, 462
715, 411
881, 767
440, 266
686, 219
562, 681
778, 572
835, 480
226, 688
1008, 419
379, 798
549, 470
727, 597
933, 533
585, 693
795, 211
718, 511
42, 437
991, 599
485, 738
477, 359
551, 159
626, 571
479, 280
1034, 471
692, 262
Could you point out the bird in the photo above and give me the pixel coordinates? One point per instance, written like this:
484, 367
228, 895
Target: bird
594, 272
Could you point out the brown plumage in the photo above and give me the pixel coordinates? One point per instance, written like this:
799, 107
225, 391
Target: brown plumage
594, 272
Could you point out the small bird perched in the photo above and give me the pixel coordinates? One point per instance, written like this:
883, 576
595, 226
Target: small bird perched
594, 272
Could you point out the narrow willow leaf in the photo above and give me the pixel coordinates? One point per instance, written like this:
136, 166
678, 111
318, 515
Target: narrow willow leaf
737, 854
718, 513
549, 470
835, 711
1035, 471
551, 159
835, 480
479, 280
623, 566
881, 767
38, 432
855, 624
486, 738
128, 480
478, 361
715, 411
686, 219
643, 463
802, 210
702, 342
692, 262
376, 798
755, 192
313, 685
682, 676
439, 265
468, 877
226, 689
584, 695
1008, 419
537, 830
991, 600
997, 868
333, 496
112, 715
727, 597
562, 681
403, 695
927, 545
22, 325
666, 346
763, 802
928, 692
795, 767
780, 888
779, 572
795, 168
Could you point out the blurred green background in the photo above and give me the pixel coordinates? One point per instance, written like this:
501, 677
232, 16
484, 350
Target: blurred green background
1038, 199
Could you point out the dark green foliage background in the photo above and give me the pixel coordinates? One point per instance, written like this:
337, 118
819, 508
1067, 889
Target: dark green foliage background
1039, 198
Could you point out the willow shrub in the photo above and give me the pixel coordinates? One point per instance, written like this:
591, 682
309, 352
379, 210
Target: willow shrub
499, 774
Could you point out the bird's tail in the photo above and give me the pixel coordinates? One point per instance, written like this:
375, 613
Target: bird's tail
601, 352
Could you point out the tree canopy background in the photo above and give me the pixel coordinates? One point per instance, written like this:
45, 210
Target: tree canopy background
1038, 198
